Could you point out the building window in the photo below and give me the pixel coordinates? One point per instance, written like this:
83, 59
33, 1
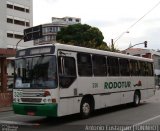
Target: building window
17, 36
10, 35
27, 10
158, 62
70, 19
10, 6
50, 29
18, 22
19, 8
27, 24
9, 20
77, 20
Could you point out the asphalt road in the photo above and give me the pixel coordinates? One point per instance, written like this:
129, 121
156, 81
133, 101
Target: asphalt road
145, 117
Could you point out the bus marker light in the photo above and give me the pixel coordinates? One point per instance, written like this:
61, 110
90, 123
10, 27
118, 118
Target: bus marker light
53, 100
47, 93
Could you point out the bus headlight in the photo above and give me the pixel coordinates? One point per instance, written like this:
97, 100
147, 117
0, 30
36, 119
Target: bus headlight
44, 100
47, 93
18, 100
49, 101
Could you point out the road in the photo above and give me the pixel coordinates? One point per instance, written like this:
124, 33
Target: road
125, 117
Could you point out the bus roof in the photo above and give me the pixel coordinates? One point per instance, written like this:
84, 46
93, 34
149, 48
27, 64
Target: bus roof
100, 52
92, 51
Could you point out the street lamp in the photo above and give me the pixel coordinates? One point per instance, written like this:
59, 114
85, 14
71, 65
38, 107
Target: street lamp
113, 41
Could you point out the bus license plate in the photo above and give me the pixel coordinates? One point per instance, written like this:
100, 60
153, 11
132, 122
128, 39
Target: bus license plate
30, 113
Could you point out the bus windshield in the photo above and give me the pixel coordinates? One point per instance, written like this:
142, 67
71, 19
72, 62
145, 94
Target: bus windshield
36, 72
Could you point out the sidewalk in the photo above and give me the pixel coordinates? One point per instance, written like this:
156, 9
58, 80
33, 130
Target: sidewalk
5, 109
155, 98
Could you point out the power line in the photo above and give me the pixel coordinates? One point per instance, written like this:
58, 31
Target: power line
137, 21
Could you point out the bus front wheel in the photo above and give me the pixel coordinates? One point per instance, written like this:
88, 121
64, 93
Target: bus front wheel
85, 108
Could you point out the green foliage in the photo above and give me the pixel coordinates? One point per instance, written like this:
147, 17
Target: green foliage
112, 48
82, 35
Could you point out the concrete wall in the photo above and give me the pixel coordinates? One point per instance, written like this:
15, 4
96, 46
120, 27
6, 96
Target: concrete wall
6, 99
3, 36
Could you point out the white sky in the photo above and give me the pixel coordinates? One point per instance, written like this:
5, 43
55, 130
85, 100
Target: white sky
112, 17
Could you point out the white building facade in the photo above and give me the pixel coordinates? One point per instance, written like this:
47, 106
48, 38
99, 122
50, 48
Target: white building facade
15, 16
49, 31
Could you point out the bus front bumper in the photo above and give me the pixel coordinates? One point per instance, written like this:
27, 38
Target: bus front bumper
35, 109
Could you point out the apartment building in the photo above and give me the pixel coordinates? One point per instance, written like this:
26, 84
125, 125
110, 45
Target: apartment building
15, 16
49, 31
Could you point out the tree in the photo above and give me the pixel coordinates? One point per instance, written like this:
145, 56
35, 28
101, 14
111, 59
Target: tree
81, 35
85, 36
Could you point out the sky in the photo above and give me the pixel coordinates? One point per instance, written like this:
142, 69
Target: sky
112, 17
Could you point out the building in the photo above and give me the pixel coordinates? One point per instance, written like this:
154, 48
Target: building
147, 53
15, 16
50, 30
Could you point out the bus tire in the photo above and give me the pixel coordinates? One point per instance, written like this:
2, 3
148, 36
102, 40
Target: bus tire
136, 99
85, 108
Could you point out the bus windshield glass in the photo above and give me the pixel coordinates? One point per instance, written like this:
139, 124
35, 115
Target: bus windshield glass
36, 72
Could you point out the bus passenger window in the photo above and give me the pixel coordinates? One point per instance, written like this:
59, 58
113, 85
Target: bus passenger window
99, 65
124, 67
113, 66
134, 68
143, 68
150, 69
84, 64
67, 71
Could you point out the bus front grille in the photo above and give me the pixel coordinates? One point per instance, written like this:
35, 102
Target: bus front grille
32, 100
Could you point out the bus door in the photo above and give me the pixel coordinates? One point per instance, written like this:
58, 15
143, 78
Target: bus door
67, 81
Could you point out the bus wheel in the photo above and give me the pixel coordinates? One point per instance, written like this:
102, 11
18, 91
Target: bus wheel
85, 109
137, 99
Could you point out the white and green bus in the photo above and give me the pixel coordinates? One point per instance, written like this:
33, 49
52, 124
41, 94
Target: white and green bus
56, 80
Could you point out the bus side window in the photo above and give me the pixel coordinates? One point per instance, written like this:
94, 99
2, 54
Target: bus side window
66, 70
134, 68
113, 66
124, 67
142, 68
84, 64
150, 69
99, 65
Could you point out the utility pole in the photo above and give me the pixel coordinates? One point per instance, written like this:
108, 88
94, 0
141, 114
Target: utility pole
112, 42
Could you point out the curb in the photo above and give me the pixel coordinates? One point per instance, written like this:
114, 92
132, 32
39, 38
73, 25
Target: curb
5, 109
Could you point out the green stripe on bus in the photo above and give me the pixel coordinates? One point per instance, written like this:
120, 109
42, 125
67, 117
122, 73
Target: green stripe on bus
37, 110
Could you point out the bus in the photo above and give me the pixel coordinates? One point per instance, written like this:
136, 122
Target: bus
55, 80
